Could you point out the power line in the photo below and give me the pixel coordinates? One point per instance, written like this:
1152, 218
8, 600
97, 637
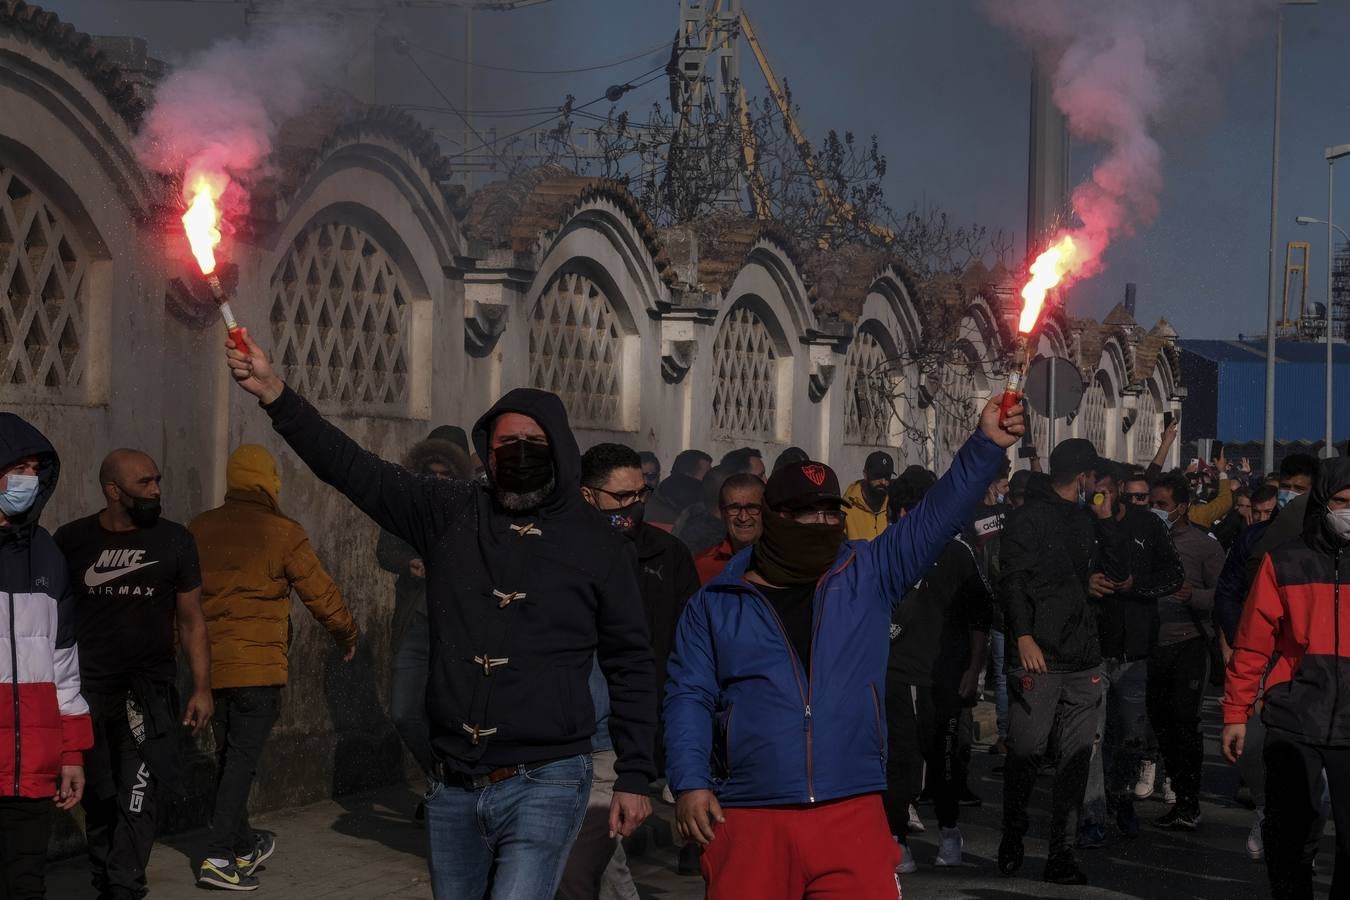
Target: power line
594, 68
467, 124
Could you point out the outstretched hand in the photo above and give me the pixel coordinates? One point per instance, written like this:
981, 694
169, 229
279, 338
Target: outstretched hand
254, 372
1002, 431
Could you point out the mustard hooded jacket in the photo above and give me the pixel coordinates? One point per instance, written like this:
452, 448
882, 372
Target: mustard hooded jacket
252, 558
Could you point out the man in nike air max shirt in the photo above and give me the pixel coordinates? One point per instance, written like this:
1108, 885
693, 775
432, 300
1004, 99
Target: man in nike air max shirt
136, 578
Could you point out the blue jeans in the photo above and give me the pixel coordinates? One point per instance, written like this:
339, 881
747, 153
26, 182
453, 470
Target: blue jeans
1122, 729
509, 840
998, 650
408, 692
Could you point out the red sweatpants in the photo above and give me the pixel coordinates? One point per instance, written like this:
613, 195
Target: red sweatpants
834, 851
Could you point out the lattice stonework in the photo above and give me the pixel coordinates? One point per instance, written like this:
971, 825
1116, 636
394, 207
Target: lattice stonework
867, 393
1146, 428
340, 321
957, 409
745, 378
42, 268
1095, 406
576, 350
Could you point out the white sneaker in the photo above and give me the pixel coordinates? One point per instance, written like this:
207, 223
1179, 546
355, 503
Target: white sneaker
1256, 847
916, 825
1148, 771
949, 850
667, 795
907, 865
1169, 796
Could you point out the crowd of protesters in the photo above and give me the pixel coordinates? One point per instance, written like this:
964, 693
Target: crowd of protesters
790, 663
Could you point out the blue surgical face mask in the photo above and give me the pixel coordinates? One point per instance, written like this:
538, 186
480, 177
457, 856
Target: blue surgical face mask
1283, 496
1162, 514
19, 493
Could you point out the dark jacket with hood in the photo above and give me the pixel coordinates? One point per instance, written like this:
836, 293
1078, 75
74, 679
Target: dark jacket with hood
44, 722
395, 555
1293, 625
1049, 549
1127, 621
518, 603
1239, 569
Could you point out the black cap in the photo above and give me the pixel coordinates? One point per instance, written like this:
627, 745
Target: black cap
1073, 456
789, 456
907, 490
802, 485
879, 465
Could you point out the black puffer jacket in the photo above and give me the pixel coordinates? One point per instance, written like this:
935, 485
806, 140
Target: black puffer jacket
518, 604
1050, 547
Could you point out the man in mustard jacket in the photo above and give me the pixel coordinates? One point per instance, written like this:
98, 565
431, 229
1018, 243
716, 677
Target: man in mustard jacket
865, 512
252, 558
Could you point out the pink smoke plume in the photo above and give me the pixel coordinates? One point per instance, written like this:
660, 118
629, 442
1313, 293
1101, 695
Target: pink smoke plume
1120, 71
217, 115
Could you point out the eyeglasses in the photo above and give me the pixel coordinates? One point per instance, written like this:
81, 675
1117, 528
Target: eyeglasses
627, 498
736, 510
818, 516
1140, 498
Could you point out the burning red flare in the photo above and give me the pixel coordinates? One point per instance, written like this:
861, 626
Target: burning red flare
1058, 260
202, 219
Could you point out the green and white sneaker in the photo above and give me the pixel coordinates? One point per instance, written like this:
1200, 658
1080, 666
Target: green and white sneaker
264, 845
224, 878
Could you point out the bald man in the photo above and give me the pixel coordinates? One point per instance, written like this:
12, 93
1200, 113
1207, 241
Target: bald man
136, 579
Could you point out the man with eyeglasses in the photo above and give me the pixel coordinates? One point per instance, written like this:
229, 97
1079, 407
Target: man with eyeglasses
740, 503
612, 482
775, 707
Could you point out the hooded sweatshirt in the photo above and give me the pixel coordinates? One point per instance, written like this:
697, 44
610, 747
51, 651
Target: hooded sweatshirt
44, 722
861, 521
518, 604
1292, 624
252, 558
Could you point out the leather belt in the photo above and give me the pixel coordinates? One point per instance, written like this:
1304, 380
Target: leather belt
496, 776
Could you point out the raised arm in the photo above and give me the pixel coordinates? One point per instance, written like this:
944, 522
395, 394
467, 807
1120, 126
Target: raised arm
904, 551
398, 500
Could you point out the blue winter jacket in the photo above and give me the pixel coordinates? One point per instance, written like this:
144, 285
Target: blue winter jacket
742, 719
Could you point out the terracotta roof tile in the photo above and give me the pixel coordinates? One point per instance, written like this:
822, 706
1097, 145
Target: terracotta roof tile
78, 49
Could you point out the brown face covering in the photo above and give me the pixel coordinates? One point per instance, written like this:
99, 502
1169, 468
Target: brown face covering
793, 553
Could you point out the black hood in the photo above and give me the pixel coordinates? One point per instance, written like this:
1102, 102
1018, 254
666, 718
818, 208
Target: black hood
1333, 475
452, 433
17, 440
546, 409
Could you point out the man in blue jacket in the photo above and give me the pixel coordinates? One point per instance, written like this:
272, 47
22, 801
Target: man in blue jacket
778, 677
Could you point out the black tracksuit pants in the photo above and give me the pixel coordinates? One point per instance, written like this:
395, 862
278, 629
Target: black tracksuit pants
1177, 677
1293, 823
121, 817
923, 728
1059, 708
242, 722
25, 825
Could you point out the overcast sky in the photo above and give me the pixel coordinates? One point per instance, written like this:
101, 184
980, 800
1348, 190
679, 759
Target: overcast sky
945, 91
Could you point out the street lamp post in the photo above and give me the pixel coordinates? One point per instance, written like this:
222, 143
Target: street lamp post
1332, 154
1271, 320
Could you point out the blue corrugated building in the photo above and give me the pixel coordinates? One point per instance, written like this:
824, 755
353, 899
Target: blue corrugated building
1226, 390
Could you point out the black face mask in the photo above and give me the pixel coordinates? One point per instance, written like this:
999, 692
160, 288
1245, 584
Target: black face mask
144, 511
628, 520
522, 466
793, 553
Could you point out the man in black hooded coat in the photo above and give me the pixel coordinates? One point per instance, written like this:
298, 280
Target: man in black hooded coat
526, 584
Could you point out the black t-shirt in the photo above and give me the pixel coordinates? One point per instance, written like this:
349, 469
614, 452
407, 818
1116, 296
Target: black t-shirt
126, 586
794, 606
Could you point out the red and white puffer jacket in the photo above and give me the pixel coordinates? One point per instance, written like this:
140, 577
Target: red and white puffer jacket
44, 722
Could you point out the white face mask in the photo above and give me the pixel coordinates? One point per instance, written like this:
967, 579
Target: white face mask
19, 494
1162, 514
1283, 496
1338, 520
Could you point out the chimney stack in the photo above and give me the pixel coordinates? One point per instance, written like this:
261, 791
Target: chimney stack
1129, 300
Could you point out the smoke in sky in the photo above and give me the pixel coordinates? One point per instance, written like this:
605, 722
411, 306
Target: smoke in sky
218, 114
1121, 70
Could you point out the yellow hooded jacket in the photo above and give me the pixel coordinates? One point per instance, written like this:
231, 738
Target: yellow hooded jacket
860, 523
252, 558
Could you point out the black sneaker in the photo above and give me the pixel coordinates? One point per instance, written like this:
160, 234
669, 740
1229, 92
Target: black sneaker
224, 878
264, 845
1010, 855
1063, 869
1179, 819
690, 854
